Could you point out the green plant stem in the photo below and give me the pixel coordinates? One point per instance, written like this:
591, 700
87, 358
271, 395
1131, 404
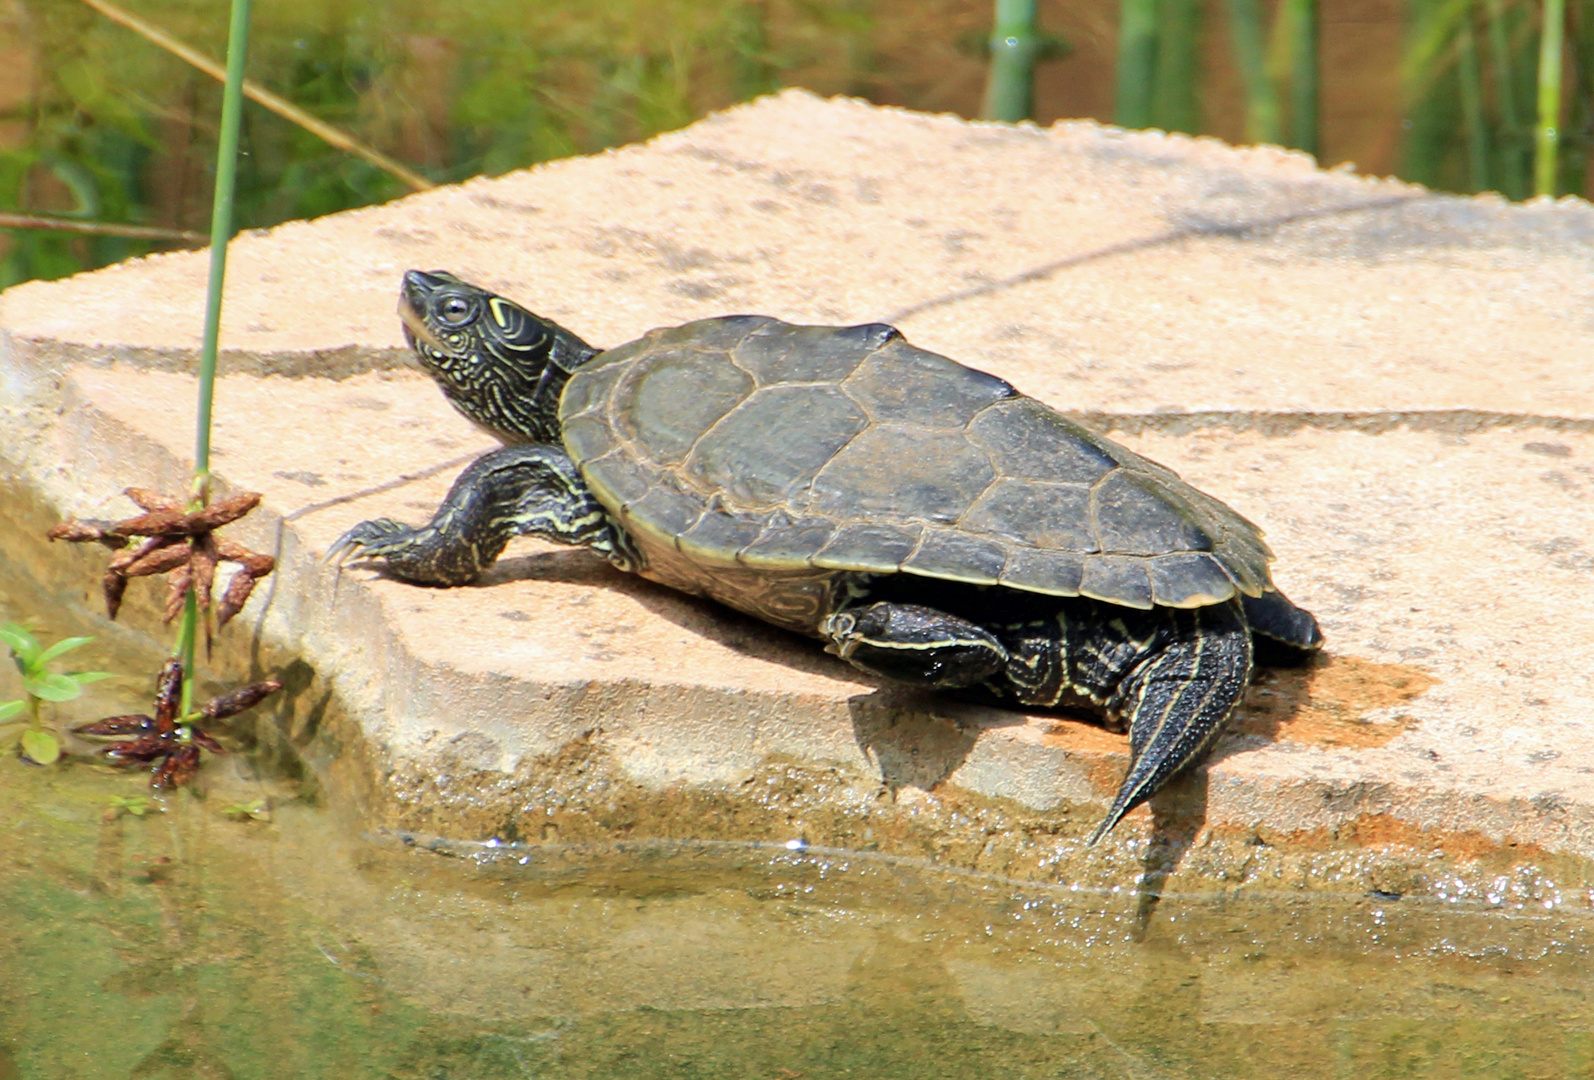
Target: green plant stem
1137, 63
1472, 107
1010, 87
187, 636
1547, 135
220, 233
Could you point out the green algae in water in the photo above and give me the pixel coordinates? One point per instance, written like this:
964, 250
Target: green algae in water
187, 943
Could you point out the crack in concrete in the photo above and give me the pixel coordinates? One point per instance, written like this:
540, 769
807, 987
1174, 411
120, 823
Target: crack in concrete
1444, 421
1162, 239
378, 489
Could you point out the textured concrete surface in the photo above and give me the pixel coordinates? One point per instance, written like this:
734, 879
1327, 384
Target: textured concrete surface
1394, 384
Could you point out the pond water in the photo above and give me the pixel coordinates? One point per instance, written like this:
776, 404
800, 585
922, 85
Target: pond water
193, 942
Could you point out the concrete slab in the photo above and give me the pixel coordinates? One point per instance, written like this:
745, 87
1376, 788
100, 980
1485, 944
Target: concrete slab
1391, 382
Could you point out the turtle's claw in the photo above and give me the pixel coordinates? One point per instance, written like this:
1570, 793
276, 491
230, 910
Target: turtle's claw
369, 540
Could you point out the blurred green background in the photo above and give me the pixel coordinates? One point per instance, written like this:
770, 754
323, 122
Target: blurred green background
99, 125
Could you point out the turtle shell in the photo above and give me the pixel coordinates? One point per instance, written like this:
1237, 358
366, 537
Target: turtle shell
749, 447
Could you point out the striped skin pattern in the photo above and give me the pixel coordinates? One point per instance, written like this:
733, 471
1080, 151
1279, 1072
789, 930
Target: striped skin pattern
1171, 676
927, 521
508, 381
1174, 675
518, 491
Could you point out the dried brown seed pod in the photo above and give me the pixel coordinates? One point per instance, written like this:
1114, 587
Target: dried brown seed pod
178, 768
151, 500
168, 695
129, 724
225, 511
236, 701
76, 532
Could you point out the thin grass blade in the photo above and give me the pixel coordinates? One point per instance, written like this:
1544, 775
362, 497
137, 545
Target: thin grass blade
1250, 55
1176, 104
1137, 63
1547, 133
1471, 79
1512, 140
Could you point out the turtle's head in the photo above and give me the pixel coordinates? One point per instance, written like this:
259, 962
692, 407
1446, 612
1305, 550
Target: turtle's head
499, 364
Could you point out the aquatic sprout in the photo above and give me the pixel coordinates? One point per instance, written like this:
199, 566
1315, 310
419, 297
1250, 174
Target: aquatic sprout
137, 805
35, 741
253, 810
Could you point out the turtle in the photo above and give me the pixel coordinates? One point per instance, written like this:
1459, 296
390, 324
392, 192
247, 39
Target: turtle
925, 520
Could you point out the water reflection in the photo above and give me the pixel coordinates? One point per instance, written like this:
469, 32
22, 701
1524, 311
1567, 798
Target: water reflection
186, 943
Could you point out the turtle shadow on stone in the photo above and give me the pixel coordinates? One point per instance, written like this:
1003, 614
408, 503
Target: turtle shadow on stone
739, 633
566, 566
918, 739
1278, 692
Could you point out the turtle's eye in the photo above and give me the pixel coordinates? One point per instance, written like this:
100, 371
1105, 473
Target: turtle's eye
455, 310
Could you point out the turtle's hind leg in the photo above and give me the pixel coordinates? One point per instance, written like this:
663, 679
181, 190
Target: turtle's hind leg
533, 489
1178, 698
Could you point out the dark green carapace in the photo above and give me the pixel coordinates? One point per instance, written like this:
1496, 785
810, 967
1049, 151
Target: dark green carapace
926, 520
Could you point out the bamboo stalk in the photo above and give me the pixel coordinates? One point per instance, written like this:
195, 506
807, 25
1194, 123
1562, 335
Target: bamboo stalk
1512, 175
1472, 107
1176, 100
1427, 68
1137, 63
259, 94
1299, 37
1547, 134
1015, 43
1261, 101
9, 220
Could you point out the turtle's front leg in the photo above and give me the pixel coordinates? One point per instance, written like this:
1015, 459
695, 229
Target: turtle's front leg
914, 644
531, 489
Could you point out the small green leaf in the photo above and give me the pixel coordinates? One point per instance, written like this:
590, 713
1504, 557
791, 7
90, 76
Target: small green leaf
65, 645
256, 809
41, 746
8, 709
51, 686
83, 678
23, 644
137, 805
